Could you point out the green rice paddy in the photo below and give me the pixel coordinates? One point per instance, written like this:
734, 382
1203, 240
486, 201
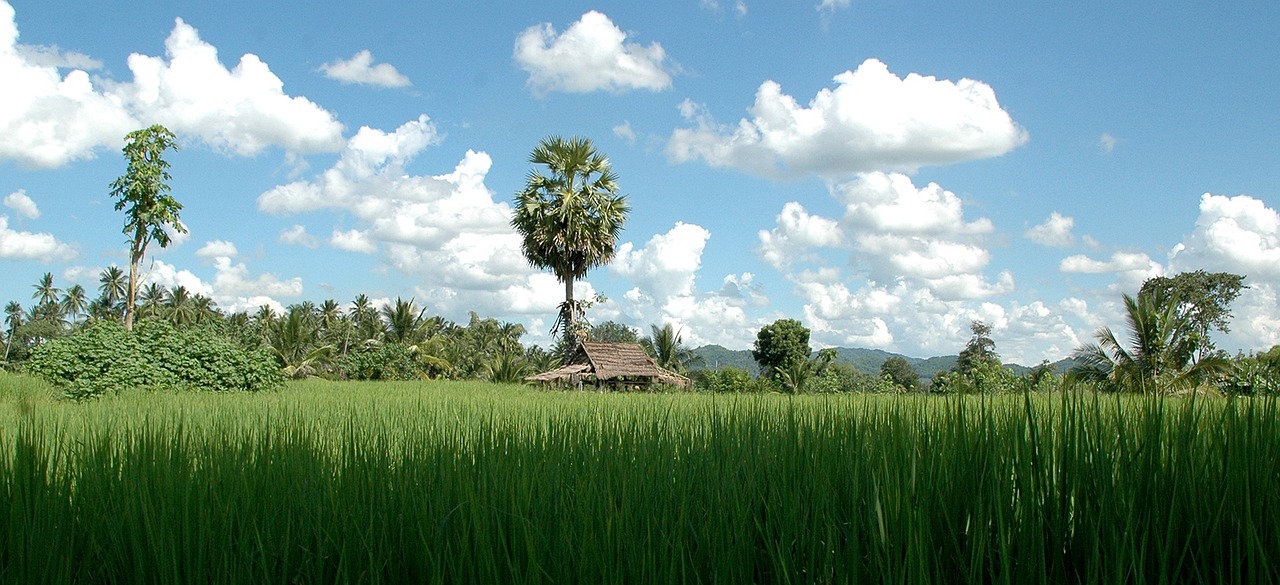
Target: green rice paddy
476, 483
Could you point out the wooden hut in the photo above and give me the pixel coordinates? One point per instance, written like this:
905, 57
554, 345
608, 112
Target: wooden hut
616, 366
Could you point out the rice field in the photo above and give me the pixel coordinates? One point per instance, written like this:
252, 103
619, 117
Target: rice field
476, 483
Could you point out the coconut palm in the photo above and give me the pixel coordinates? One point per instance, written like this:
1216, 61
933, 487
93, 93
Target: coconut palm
179, 307
14, 317
295, 340
405, 323
74, 302
151, 300
364, 320
113, 284
46, 293
666, 345
570, 219
1151, 362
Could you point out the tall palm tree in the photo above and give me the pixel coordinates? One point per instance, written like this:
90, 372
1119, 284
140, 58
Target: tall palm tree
74, 302
179, 308
295, 340
404, 322
112, 285
570, 219
13, 319
46, 293
1151, 361
205, 309
151, 300
364, 319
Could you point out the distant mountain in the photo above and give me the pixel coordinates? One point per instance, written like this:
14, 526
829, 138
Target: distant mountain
865, 360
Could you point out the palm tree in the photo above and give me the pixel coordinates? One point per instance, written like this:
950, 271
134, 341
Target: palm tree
1152, 362
74, 302
179, 307
151, 300
364, 319
46, 293
205, 309
667, 347
295, 340
570, 220
13, 319
113, 284
404, 322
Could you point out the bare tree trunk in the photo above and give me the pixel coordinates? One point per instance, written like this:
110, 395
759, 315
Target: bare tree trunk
569, 315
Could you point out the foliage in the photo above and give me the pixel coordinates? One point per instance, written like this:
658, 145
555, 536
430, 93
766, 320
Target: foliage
721, 380
1203, 300
1153, 361
569, 220
389, 361
104, 357
980, 350
613, 332
780, 346
666, 346
900, 373
143, 193
981, 377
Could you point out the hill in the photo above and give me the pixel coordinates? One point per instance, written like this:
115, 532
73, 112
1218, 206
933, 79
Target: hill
865, 360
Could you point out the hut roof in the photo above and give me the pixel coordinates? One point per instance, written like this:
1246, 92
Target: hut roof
611, 361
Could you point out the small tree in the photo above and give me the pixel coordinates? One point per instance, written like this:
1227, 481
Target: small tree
143, 193
1202, 299
898, 371
781, 346
980, 349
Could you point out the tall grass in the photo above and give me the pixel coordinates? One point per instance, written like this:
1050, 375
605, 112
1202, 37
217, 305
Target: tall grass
470, 483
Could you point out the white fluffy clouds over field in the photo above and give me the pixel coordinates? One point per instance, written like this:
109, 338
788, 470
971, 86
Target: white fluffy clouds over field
49, 118
872, 120
593, 54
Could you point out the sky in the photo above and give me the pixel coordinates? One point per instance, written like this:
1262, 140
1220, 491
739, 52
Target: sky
884, 172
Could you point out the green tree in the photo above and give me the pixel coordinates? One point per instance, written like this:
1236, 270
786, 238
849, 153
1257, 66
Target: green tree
900, 372
143, 193
1151, 362
14, 318
46, 292
152, 300
569, 220
74, 302
781, 346
1203, 299
980, 349
666, 345
613, 332
113, 285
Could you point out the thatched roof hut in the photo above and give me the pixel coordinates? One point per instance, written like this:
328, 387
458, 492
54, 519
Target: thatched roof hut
611, 365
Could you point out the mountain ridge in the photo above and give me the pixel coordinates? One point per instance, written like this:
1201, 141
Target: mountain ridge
865, 360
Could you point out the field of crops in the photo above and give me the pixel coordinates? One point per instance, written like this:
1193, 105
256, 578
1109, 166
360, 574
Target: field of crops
474, 483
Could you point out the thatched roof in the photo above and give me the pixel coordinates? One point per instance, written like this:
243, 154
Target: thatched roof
611, 362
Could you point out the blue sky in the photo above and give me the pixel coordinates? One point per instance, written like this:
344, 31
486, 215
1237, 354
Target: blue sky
884, 172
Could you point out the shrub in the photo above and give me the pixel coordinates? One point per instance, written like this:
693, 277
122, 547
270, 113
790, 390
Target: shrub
104, 357
389, 361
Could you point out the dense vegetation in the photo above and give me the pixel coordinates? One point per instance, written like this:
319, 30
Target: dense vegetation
452, 482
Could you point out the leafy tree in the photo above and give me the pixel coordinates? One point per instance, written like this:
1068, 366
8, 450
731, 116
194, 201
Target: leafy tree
1149, 364
143, 193
179, 308
780, 346
14, 318
152, 300
666, 346
1202, 299
900, 372
295, 340
980, 349
613, 332
570, 219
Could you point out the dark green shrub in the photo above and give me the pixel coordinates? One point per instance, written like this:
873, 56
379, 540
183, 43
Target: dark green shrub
104, 357
389, 361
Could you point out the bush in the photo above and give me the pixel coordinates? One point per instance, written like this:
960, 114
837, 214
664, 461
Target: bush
390, 361
104, 357
726, 379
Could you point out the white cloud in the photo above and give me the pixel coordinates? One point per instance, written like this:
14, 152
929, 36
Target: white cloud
667, 264
360, 69
625, 132
16, 245
1055, 232
1107, 142
217, 249
353, 241
53, 56
297, 235
1238, 234
872, 120
796, 231
48, 119
592, 55
22, 204
1119, 262
830, 6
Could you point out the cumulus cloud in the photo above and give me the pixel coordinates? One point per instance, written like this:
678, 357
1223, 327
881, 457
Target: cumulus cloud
666, 265
872, 120
625, 132
1055, 232
445, 230
48, 119
297, 235
22, 204
794, 234
359, 69
217, 249
1238, 234
19, 245
233, 287
592, 55
1119, 262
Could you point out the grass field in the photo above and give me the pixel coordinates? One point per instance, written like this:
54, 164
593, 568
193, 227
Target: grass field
475, 483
